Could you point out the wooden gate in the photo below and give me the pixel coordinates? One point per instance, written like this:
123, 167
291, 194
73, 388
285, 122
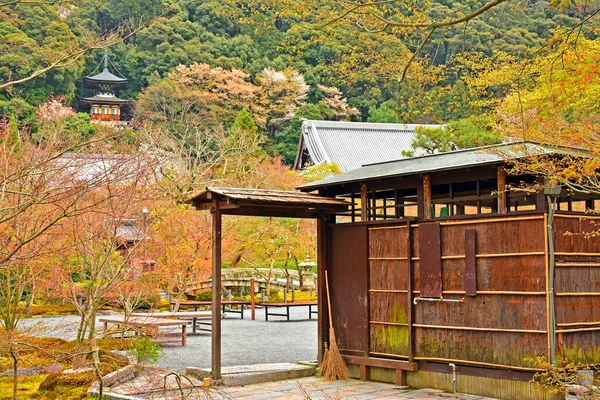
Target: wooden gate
348, 285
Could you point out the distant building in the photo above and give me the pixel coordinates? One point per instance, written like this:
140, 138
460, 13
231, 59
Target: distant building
105, 106
353, 144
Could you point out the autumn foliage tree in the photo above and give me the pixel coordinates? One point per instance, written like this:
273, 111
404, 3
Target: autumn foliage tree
284, 92
46, 185
559, 107
182, 250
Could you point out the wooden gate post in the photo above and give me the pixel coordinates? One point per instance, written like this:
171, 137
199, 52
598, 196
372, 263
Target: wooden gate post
323, 327
216, 292
252, 299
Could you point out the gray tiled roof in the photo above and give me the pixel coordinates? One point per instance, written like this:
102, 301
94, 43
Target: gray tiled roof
494, 154
353, 144
129, 232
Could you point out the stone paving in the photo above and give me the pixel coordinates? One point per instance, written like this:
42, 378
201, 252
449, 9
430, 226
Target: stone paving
318, 388
151, 384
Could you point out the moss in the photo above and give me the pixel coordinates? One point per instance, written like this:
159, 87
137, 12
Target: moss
277, 296
53, 309
35, 387
48, 351
54, 381
27, 386
391, 340
574, 355
464, 349
63, 393
398, 314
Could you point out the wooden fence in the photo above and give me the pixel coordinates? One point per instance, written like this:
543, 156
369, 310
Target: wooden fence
470, 291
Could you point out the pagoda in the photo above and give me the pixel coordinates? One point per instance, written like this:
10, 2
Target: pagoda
105, 106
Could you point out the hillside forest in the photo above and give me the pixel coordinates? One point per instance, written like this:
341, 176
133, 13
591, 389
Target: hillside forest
301, 59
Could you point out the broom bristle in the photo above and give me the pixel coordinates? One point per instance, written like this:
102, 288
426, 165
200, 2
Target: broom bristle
325, 362
334, 368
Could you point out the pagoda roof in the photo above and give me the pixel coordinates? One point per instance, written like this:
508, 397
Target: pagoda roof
105, 98
105, 76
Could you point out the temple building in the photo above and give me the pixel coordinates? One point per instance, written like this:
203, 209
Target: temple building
350, 145
105, 106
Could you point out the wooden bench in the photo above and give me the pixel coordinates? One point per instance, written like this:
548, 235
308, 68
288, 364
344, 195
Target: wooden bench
195, 316
365, 364
224, 303
287, 306
148, 325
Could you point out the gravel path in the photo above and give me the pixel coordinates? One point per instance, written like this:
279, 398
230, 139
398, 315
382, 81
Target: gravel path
247, 342
244, 341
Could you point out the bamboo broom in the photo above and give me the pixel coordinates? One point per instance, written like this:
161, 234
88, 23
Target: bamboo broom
333, 366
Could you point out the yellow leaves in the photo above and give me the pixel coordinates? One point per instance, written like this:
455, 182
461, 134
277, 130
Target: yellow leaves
559, 102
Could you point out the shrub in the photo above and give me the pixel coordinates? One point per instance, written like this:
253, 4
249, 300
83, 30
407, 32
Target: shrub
204, 296
145, 349
275, 296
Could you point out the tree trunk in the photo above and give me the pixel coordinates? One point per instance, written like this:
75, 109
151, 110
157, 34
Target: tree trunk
237, 259
177, 302
96, 363
29, 301
15, 369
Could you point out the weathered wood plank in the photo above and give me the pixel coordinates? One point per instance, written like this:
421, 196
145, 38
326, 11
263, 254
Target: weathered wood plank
430, 260
470, 262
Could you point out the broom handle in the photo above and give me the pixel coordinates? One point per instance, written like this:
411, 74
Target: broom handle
328, 300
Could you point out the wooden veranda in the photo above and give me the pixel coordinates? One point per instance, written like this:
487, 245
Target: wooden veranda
264, 203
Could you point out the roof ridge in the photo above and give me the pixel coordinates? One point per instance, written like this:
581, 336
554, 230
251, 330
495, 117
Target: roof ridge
477, 156
461, 151
373, 124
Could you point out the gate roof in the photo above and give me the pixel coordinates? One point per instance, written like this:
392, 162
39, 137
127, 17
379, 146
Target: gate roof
267, 202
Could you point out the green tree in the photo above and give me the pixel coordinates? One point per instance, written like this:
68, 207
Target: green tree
286, 140
383, 114
244, 122
462, 134
33, 43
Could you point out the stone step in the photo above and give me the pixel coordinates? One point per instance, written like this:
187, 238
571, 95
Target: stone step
257, 373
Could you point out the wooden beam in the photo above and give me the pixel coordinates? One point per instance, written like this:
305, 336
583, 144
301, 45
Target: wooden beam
501, 187
476, 371
547, 276
208, 206
364, 202
540, 198
381, 363
427, 196
216, 292
274, 212
323, 328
